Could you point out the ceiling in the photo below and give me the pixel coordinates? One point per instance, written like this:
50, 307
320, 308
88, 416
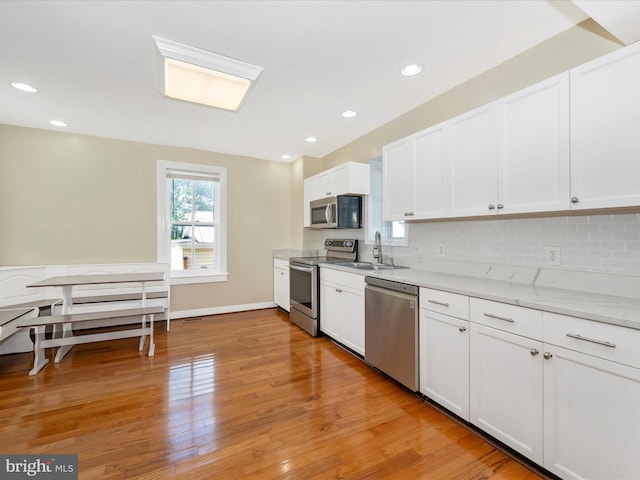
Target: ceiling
95, 65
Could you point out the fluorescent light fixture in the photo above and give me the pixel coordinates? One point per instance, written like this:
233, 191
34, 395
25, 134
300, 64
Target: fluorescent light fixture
311, 139
58, 123
349, 114
411, 69
25, 87
207, 78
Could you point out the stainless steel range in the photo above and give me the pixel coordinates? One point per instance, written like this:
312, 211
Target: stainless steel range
304, 285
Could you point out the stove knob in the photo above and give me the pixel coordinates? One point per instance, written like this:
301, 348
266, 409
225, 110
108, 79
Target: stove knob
328, 242
349, 244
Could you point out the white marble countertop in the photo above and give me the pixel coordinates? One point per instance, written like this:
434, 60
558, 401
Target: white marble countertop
616, 310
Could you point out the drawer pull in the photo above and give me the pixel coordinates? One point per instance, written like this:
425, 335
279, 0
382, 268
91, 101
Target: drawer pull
444, 304
547, 355
497, 317
534, 352
462, 329
591, 340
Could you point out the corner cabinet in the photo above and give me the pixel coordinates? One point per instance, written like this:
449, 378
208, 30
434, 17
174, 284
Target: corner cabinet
342, 307
281, 283
348, 178
605, 144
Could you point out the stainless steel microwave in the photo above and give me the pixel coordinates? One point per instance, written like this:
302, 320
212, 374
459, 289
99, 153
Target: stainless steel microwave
341, 211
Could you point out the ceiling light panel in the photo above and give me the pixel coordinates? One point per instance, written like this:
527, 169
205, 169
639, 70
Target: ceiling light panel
203, 77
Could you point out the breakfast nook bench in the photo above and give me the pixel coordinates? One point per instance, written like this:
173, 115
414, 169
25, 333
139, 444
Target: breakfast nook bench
68, 339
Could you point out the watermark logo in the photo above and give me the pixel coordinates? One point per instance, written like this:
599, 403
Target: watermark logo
51, 467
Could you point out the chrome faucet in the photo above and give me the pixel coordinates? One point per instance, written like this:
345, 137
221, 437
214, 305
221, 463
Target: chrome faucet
377, 247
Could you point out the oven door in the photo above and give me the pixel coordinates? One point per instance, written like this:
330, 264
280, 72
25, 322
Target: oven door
303, 289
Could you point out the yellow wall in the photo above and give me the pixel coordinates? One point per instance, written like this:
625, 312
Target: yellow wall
67, 199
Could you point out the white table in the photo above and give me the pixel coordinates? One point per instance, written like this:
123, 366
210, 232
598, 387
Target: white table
68, 282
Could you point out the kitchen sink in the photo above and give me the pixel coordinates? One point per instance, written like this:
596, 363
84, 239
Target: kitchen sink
369, 266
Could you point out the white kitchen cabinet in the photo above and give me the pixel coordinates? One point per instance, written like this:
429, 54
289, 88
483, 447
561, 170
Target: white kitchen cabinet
414, 176
506, 388
473, 163
533, 149
444, 361
397, 161
591, 398
605, 144
348, 178
342, 307
281, 283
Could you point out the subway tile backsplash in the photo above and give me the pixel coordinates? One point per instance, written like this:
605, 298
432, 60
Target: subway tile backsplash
597, 243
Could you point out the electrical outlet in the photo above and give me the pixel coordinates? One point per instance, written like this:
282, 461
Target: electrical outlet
415, 248
553, 256
440, 250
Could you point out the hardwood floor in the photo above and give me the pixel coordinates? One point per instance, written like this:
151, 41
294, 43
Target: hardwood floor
237, 396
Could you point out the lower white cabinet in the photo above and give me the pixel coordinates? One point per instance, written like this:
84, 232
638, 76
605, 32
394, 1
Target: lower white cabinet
281, 283
591, 416
506, 389
444, 361
342, 307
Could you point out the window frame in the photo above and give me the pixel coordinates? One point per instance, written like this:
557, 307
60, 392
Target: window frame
184, 277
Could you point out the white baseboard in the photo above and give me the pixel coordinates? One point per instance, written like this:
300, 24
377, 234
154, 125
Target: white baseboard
203, 312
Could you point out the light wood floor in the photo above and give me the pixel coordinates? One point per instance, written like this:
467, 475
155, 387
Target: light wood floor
238, 396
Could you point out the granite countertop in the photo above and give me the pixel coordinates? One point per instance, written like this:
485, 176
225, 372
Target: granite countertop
616, 310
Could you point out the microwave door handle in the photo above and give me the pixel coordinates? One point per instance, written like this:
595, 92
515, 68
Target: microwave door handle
327, 213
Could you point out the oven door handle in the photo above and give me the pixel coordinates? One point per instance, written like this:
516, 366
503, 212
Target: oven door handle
301, 269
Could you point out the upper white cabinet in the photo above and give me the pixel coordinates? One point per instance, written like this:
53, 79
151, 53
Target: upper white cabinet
348, 178
605, 142
533, 149
472, 163
414, 176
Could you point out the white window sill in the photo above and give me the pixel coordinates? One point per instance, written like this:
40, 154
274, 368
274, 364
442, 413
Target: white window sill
193, 278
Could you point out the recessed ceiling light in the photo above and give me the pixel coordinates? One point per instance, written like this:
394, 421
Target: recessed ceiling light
285, 157
310, 139
349, 114
25, 87
203, 77
411, 69
58, 123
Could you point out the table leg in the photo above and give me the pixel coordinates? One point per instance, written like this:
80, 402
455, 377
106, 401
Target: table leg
67, 299
143, 337
152, 343
39, 359
67, 332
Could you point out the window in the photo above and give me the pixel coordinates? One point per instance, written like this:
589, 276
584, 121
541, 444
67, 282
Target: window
392, 233
192, 221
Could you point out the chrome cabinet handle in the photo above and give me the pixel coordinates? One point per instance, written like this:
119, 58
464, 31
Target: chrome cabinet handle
492, 206
444, 304
575, 200
338, 290
500, 206
462, 329
547, 355
591, 340
534, 352
408, 214
497, 317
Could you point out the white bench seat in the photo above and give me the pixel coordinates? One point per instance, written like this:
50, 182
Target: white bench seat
68, 339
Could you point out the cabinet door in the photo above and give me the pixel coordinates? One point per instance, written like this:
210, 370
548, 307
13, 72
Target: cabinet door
281, 287
396, 180
472, 173
592, 416
444, 361
429, 173
330, 315
352, 313
605, 144
506, 388
533, 155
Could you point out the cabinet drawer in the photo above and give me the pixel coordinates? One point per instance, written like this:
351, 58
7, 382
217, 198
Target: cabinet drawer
280, 263
510, 318
350, 280
611, 342
448, 303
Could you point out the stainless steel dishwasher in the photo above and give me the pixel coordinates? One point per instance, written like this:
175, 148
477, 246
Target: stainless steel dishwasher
391, 329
